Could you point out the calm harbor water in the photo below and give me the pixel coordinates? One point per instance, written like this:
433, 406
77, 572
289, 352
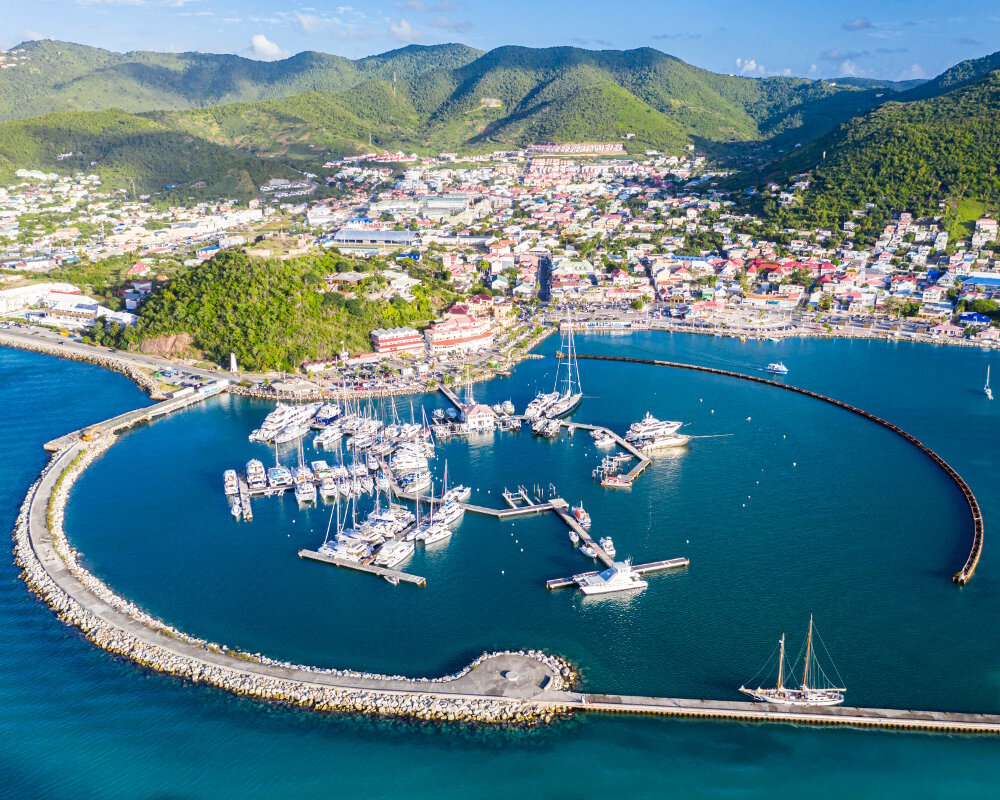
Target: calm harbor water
786, 507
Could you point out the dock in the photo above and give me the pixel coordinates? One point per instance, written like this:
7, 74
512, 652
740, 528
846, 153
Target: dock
382, 572
585, 537
642, 569
452, 397
628, 447
245, 508
510, 513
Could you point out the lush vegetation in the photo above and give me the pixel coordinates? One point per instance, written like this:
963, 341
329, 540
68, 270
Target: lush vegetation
269, 312
132, 152
59, 76
935, 156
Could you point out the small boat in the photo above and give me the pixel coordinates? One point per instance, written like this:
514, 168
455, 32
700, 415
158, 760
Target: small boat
231, 482
588, 551
394, 580
807, 694
777, 367
619, 577
236, 510
574, 537
987, 390
608, 545
581, 515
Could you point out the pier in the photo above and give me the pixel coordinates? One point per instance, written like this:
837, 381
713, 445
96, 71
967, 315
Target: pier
644, 460
969, 568
245, 508
452, 397
642, 569
382, 572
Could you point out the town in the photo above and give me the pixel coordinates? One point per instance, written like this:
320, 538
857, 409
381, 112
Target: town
520, 237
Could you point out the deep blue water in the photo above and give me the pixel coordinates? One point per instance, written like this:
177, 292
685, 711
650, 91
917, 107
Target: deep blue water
841, 519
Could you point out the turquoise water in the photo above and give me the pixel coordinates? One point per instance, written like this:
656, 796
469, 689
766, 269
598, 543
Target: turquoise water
861, 531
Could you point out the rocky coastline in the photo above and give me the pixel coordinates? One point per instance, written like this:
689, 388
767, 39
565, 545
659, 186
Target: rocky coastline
414, 698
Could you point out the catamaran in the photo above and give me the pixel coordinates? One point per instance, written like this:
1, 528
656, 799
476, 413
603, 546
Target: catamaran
807, 694
987, 390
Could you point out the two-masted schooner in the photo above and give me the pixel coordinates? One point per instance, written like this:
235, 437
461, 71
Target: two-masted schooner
816, 688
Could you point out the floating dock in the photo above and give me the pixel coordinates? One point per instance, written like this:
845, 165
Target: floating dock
642, 569
245, 508
382, 572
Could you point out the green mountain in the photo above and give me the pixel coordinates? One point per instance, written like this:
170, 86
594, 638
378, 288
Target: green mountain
518, 95
129, 151
963, 73
902, 156
58, 76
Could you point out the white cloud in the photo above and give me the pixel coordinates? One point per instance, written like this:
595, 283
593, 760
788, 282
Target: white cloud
749, 66
848, 69
308, 23
813, 69
263, 49
405, 32
912, 72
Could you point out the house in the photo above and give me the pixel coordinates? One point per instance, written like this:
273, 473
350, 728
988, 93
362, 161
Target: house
138, 270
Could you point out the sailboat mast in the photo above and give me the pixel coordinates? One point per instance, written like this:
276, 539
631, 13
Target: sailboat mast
805, 671
781, 661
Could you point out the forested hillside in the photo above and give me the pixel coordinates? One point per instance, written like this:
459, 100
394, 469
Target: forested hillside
269, 311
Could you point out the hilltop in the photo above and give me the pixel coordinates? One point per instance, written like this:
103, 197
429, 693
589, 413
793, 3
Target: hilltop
903, 155
59, 76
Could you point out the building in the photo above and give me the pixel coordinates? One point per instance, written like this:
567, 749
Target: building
346, 237
459, 333
479, 417
397, 340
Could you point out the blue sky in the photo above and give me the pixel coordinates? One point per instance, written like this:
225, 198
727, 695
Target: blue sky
813, 38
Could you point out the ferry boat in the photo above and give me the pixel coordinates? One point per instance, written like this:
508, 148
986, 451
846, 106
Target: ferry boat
581, 515
256, 476
608, 545
777, 368
230, 482
987, 390
807, 694
619, 577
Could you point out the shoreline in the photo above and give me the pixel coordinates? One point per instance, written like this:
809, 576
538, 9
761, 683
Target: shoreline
119, 627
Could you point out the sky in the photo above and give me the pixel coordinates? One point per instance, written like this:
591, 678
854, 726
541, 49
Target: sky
809, 38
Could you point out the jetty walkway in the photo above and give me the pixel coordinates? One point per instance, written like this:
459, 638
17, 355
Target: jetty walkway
969, 568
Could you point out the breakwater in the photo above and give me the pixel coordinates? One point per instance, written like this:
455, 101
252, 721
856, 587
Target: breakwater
968, 569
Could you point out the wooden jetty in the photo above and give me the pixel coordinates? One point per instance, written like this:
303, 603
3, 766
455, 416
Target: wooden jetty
969, 568
510, 513
382, 572
638, 469
642, 569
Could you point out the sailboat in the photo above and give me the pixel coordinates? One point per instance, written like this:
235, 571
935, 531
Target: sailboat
807, 694
987, 390
571, 392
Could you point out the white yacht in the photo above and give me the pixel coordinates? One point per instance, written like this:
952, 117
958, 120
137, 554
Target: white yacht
433, 532
603, 438
987, 390
321, 470
619, 577
305, 493
256, 476
328, 436
660, 442
571, 393
230, 482
650, 427
608, 545
393, 553
807, 694
776, 368
235, 509
328, 489
537, 407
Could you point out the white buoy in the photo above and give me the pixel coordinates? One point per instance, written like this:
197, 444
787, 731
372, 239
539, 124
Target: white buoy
713, 410
522, 549
687, 541
795, 464
748, 419
501, 572
744, 505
